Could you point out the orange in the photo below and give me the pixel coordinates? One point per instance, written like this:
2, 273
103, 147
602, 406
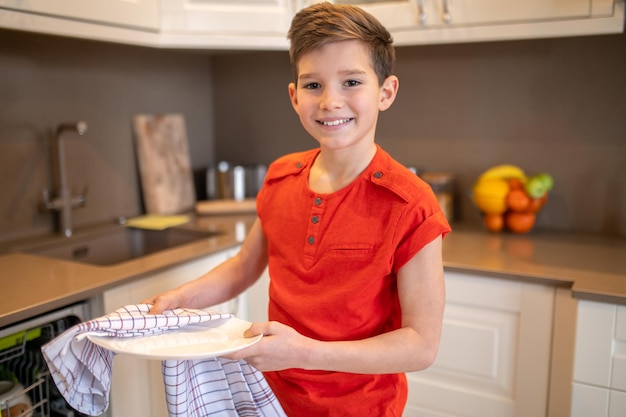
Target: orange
493, 222
515, 184
518, 222
517, 200
536, 203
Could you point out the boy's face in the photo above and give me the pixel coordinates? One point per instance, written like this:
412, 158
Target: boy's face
338, 95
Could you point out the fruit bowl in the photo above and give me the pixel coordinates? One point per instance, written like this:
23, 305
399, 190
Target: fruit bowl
508, 199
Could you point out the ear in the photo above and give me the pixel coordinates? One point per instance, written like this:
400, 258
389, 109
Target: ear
388, 92
293, 96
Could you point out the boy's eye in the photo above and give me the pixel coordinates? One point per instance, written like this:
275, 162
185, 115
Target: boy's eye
352, 83
311, 86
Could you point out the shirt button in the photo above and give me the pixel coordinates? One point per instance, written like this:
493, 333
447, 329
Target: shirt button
311, 240
299, 165
378, 174
318, 201
315, 219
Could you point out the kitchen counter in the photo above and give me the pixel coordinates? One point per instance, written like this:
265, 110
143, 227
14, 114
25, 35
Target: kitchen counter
594, 267
32, 285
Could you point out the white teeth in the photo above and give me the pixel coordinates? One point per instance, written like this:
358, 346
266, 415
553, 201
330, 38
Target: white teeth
335, 122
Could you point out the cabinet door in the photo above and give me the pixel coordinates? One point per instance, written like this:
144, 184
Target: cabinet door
473, 12
618, 369
137, 384
599, 386
588, 401
226, 17
594, 343
427, 13
494, 356
137, 13
396, 14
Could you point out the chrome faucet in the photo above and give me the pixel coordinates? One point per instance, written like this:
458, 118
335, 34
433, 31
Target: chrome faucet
64, 201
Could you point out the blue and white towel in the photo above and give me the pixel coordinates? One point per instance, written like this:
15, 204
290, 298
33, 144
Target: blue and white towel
219, 387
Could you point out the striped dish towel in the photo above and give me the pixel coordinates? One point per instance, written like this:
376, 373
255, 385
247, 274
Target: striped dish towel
81, 369
217, 387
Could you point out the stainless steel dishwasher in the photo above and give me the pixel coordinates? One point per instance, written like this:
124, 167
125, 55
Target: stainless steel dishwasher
22, 363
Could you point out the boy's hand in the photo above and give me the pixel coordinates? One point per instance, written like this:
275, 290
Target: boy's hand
280, 348
166, 301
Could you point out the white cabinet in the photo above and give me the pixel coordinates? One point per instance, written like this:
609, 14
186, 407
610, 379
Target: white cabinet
472, 12
494, 357
263, 24
220, 24
218, 16
142, 14
599, 387
124, 21
137, 384
427, 13
445, 21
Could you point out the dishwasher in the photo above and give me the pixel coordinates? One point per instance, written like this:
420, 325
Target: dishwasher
23, 371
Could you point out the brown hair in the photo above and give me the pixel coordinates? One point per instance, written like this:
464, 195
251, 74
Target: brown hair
323, 23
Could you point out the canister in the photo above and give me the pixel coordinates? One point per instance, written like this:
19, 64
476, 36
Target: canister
442, 184
226, 181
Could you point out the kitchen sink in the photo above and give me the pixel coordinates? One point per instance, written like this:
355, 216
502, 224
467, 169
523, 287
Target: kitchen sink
119, 245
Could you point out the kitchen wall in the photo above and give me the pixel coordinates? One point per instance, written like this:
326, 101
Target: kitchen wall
555, 105
47, 80
548, 105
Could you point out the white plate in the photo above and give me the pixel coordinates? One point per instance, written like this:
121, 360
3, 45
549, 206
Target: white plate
195, 341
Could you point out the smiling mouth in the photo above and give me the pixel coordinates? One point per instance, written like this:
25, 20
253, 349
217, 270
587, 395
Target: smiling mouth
335, 122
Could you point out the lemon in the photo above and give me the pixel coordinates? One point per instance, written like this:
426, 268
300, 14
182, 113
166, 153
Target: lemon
489, 195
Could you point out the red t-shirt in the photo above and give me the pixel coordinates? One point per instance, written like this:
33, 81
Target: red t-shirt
333, 260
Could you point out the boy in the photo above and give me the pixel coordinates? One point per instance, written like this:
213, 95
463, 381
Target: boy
351, 237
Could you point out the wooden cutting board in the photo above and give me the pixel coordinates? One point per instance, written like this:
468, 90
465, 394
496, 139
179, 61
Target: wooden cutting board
246, 206
164, 163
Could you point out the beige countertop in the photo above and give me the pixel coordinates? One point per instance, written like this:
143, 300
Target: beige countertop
594, 267
33, 285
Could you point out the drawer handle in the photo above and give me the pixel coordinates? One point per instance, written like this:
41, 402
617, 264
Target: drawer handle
447, 16
421, 12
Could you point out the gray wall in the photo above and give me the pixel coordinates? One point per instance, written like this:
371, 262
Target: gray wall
553, 105
548, 105
47, 80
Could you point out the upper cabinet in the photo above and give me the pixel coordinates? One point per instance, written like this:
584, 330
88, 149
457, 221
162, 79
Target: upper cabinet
263, 24
141, 14
258, 24
124, 21
446, 13
448, 21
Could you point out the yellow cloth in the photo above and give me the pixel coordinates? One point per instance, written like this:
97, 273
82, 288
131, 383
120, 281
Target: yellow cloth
157, 221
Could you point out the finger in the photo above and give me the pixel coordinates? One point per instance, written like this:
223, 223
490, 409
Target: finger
230, 356
245, 353
257, 329
159, 305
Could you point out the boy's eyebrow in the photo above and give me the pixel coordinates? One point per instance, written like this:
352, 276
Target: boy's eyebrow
346, 72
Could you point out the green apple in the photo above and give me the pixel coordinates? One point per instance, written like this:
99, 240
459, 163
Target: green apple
547, 180
536, 187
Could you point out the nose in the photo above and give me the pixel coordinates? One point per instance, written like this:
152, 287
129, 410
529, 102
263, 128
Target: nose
331, 98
